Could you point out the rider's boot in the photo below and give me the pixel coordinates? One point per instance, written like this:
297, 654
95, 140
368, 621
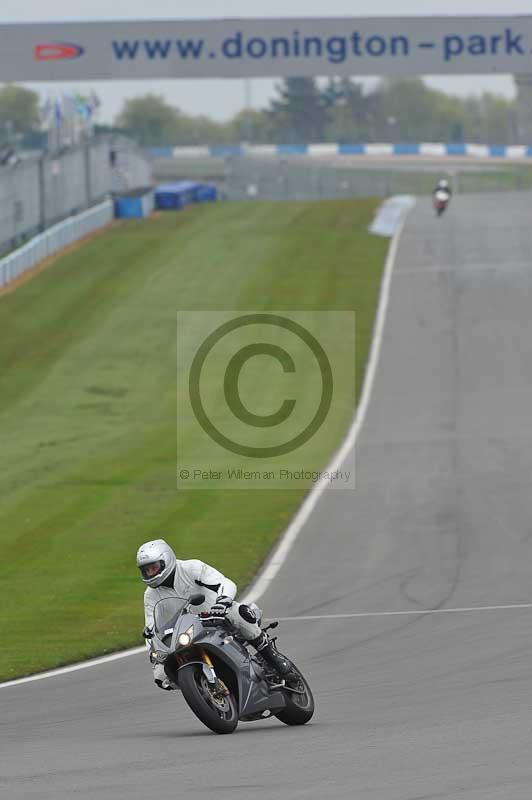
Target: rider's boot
268, 652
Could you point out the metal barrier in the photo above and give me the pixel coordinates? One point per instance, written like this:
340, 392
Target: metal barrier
296, 179
40, 191
52, 240
302, 178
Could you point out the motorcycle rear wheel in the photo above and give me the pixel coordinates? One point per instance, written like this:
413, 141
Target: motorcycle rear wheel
221, 716
299, 706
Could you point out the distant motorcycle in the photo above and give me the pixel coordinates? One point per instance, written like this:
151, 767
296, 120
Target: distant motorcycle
440, 201
221, 679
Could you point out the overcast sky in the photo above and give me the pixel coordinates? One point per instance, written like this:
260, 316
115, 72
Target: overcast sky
222, 98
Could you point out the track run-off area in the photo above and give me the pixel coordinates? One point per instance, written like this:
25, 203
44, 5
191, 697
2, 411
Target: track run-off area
410, 705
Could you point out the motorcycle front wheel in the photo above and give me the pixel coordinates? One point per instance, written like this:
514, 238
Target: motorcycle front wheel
220, 714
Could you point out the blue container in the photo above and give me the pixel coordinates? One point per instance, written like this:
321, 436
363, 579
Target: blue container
206, 193
175, 195
133, 205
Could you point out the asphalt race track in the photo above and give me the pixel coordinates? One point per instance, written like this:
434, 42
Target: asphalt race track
408, 707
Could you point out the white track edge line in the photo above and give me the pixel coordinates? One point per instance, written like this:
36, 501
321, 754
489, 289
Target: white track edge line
277, 559
410, 613
279, 555
93, 662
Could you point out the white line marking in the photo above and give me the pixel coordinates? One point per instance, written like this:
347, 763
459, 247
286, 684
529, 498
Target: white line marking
279, 555
421, 612
287, 540
464, 269
94, 662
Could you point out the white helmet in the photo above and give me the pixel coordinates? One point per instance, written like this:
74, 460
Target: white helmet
443, 184
157, 553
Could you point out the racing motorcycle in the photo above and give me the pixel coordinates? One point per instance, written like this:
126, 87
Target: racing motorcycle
440, 201
222, 681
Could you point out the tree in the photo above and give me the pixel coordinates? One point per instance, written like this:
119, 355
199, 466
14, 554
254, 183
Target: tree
200, 130
150, 120
249, 125
19, 111
299, 114
397, 110
407, 110
499, 118
350, 111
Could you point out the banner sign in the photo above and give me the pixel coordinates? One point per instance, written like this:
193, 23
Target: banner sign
240, 48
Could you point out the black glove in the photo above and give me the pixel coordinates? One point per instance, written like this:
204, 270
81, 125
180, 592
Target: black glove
221, 607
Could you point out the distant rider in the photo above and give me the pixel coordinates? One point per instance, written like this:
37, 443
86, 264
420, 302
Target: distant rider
166, 576
443, 186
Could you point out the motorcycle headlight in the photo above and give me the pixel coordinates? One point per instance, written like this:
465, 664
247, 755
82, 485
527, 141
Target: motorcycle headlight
184, 639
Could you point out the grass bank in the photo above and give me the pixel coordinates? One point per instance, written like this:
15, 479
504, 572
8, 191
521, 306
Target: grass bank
88, 409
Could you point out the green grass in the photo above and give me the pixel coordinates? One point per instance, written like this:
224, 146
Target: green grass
88, 409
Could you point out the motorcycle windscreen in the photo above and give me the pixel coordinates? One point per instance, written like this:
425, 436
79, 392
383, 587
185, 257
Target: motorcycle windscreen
167, 612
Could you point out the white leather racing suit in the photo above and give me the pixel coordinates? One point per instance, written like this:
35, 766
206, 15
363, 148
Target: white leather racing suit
195, 577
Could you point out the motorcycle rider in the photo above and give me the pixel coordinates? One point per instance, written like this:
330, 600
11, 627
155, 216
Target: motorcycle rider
167, 576
443, 186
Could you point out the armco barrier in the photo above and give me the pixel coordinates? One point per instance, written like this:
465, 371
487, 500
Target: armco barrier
354, 148
52, 240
